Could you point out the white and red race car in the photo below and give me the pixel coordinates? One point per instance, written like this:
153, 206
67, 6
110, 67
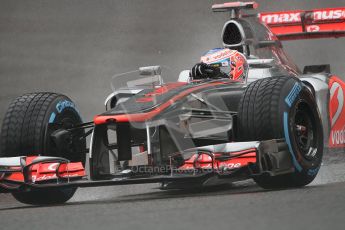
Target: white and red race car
274, 128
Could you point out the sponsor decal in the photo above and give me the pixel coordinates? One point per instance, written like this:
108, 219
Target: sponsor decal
295, 17
53, 166
52, 176
293, 94
218, 56
52, 117
219, 165
312, 172
313, 28
329, 14
338, 137
281, 18
298, 167
63, 105
290, 99
336, 102
336, 112
229, 165
60, 106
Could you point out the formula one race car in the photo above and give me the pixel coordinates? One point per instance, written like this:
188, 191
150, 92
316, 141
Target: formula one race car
274, 127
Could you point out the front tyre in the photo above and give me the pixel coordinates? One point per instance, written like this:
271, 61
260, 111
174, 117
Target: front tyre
25, 132
282, 107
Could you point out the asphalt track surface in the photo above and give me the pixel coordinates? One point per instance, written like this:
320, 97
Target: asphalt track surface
74, 47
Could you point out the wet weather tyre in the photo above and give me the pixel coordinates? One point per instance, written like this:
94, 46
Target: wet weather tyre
25, 132
45, 197
283, 108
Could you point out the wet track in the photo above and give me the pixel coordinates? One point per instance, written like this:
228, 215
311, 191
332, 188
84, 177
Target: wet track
74, 47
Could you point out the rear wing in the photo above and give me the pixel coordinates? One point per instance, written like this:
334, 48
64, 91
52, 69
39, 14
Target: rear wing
296, 24
234, 8
299, 24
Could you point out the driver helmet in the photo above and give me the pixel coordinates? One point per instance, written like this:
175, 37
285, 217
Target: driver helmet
231, 62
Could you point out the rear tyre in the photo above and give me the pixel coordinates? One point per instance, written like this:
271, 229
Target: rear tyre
282, 107
25, 132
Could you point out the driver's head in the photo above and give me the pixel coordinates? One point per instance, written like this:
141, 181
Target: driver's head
230, 62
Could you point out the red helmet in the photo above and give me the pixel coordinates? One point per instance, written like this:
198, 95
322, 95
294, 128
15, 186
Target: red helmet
231, 62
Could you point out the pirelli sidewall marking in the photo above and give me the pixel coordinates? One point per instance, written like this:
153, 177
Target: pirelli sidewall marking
61, 106
289, 100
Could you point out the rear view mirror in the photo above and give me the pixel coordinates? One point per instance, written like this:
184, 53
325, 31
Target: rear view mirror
150, 70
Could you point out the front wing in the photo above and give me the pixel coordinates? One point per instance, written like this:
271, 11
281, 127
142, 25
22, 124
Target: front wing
231, 161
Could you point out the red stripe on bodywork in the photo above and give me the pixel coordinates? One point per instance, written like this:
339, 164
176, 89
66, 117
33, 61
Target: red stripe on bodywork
142, 117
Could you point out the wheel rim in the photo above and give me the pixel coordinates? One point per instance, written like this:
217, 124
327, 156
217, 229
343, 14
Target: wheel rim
67, 119
305, 133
